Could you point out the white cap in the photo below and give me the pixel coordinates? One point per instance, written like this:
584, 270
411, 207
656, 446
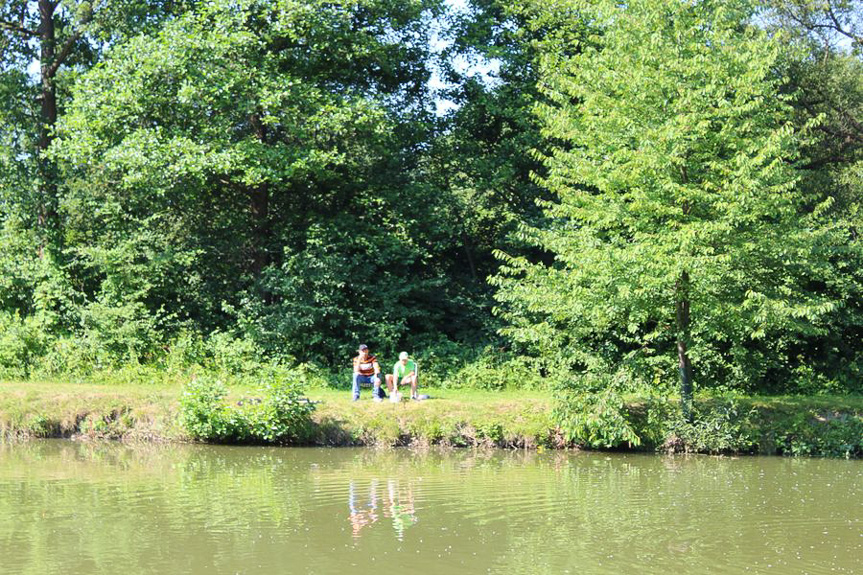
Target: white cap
403, 355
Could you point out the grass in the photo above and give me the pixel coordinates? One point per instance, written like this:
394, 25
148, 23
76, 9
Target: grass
820, 425
44, 409
150, 412
339, 396
449, 417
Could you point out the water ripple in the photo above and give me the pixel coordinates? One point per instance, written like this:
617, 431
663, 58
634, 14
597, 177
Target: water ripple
74, 508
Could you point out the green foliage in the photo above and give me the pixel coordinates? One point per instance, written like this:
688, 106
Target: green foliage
255, 170
279, 415
237, 187
825, 70
742, 425
496, 370
344, 287
19, 267
678, 219
225, 353
482, 162
203, 409
810, 433
22, 343
591, 412
39, 426
717, 427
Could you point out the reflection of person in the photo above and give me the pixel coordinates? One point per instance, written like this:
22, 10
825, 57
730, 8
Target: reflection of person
405, 371
366, 370
403, 513
360, 518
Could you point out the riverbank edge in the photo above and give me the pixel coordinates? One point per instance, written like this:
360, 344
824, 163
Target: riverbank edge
799, 426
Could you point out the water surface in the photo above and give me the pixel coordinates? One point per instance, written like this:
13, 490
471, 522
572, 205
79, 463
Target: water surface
68, 507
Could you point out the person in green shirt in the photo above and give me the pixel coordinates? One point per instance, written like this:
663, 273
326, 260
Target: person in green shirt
405, 371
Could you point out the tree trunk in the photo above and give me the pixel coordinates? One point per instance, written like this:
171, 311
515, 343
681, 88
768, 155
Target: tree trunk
681, 306
47, 216
260, 210
468, 252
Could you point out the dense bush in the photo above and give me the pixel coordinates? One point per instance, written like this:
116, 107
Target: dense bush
493, 370
279, 415
601, 419
716, 427
591, 412
812, 433
22, 343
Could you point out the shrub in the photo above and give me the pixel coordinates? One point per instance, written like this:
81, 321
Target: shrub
70, 354
590, 411
280, 415
22, 342
233, 355
203, 412
716, 427
494, 370
121, 332
830, 434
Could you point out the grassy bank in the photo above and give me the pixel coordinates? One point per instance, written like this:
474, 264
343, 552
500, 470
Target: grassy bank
831, 426
151, 412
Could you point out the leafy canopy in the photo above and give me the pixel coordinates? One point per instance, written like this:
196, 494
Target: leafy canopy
675, 169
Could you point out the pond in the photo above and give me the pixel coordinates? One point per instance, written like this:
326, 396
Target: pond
69, 507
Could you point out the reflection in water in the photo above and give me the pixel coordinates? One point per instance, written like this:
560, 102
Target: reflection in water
401, 509
69, 507
362, 515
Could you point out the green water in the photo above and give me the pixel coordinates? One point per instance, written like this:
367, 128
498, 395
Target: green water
69, 507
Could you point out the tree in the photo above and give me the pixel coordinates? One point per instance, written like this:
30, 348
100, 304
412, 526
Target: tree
57, 33
249, 166
831, 22
826, 71
679, 230
483, 155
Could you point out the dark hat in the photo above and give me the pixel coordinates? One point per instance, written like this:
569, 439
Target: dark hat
363, 347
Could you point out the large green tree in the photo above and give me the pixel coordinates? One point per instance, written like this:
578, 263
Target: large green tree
250, 165
44, 46
55, 34
678, 230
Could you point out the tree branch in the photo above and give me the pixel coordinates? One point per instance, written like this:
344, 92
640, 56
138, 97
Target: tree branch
855, 133
16, 28
844, 137
828, 10
64, 53
69, 44
854, 124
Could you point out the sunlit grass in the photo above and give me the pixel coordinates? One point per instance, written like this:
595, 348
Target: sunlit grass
515, 418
